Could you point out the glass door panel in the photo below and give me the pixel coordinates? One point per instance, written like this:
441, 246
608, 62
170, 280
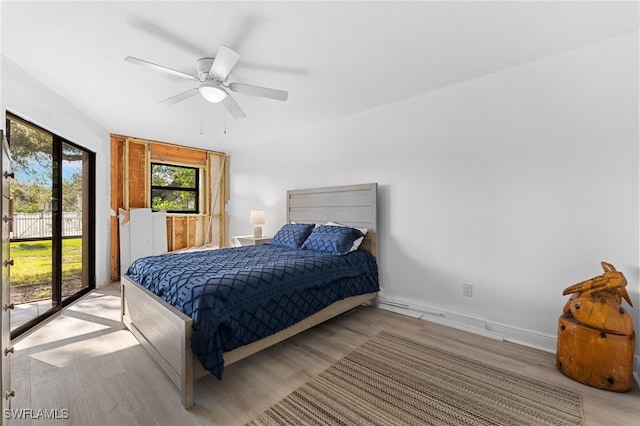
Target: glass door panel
75, 163
31, 239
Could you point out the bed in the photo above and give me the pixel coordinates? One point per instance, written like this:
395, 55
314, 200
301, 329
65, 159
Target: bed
168, 326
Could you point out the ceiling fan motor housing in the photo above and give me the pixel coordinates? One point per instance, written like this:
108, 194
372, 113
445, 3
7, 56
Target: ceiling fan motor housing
203, 66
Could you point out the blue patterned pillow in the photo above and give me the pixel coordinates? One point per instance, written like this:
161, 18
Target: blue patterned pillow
292, 235
332, 239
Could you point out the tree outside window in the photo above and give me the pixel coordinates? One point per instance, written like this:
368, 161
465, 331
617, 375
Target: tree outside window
174, 188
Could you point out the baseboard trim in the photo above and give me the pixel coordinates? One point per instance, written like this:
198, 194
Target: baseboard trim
449, 319
485, 328
522, 336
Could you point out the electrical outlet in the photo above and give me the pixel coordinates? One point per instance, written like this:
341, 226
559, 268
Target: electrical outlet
467, 289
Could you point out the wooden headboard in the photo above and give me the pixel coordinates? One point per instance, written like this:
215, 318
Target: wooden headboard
353, 205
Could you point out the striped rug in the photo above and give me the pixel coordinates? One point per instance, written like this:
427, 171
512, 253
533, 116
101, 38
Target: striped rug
392, 380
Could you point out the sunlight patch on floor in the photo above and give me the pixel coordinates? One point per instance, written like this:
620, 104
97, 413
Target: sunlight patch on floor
84, 349
42, 336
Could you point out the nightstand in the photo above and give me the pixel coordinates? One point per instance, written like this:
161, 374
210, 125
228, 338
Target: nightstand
252, 241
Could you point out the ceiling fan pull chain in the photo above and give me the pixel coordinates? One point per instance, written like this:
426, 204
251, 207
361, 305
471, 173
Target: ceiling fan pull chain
201, 114
225, 122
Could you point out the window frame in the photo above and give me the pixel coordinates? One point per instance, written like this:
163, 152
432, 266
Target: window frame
195, 190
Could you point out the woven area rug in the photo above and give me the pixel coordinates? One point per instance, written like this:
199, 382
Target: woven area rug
392, 380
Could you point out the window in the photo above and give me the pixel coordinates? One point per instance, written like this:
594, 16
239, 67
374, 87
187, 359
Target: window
174, 188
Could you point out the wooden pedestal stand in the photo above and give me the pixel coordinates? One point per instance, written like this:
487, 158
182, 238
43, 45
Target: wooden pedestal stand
593, 357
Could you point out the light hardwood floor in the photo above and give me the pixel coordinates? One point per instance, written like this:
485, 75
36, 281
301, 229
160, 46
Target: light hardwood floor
83, 361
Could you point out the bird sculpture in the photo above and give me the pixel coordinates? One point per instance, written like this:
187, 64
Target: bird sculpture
597, 302
596, 340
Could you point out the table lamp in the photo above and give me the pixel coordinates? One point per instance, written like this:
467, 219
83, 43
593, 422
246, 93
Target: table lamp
257, 218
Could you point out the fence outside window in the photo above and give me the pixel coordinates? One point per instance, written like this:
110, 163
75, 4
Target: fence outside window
38, 225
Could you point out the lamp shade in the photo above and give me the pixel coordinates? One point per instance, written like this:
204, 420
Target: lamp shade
257, 217
212, 93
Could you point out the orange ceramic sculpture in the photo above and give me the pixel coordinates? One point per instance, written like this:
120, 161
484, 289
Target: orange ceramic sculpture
596, 340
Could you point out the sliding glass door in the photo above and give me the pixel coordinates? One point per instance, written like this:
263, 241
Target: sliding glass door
52, 240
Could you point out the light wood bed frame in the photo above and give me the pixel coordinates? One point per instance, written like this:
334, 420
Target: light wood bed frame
165, 332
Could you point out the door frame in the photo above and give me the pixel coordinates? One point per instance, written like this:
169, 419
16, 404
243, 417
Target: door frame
57, 302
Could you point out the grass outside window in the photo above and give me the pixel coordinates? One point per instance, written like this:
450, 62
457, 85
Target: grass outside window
32, 261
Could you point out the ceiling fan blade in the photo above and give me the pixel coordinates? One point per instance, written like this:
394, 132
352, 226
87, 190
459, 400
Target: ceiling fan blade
234, 109
280, 95
180, 96
160, 68
223, 63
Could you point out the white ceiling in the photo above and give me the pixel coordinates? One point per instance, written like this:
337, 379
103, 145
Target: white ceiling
334, 58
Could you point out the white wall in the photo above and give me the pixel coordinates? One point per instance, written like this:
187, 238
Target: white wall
519, 182
25, 96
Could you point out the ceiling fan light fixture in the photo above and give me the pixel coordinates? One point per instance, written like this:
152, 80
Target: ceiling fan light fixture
212, 93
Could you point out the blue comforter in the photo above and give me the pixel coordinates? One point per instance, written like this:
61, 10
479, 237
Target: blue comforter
236, 296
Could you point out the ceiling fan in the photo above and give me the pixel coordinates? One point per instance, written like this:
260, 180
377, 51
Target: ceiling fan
212, 76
